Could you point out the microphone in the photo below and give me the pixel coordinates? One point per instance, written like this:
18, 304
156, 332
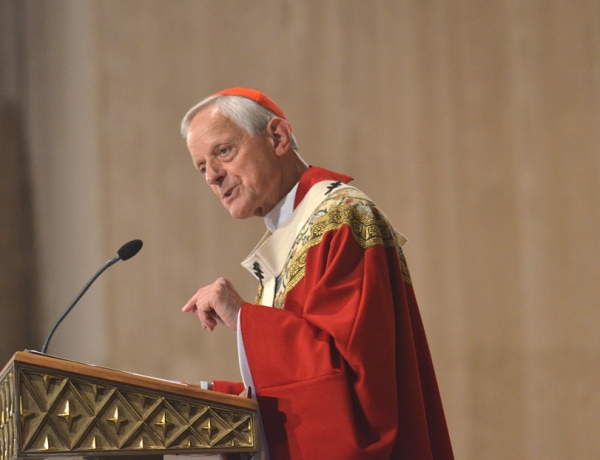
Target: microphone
125, 252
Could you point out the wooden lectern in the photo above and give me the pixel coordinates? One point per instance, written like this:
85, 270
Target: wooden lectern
50, 407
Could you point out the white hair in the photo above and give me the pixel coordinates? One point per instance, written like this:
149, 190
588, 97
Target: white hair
244, 112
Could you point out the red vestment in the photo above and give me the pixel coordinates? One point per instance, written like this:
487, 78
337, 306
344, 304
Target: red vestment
341, 365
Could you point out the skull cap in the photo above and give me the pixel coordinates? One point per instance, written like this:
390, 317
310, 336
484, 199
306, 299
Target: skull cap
254, 95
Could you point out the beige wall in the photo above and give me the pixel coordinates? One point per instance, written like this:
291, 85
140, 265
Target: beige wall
475, 125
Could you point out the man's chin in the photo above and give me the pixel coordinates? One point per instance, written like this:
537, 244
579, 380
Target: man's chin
238, 213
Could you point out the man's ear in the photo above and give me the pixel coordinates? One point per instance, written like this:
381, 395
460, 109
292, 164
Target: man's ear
280, 132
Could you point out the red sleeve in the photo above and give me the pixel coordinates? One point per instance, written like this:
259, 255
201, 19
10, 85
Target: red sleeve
231, 388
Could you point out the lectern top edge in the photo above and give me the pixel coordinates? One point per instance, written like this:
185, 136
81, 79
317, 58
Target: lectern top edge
127, 378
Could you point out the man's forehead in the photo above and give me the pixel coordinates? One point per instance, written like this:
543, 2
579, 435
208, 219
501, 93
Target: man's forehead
209, 125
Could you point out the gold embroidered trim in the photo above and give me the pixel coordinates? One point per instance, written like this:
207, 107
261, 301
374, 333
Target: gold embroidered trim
404, 266
259, 294
368, 227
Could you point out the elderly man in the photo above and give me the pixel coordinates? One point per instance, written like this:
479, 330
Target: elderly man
333, 346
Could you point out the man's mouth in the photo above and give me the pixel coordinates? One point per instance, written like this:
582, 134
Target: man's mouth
227, 195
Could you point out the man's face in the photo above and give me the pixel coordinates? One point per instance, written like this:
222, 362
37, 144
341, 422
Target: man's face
242, 170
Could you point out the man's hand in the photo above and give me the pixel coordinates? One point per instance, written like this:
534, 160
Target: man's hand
217, 301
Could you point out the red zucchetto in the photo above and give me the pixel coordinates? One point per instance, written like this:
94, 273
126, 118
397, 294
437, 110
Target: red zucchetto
256, 96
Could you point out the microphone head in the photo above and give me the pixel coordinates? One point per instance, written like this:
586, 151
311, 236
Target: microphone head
128, 250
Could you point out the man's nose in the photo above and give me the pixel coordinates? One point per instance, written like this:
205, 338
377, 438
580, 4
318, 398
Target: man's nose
214, 174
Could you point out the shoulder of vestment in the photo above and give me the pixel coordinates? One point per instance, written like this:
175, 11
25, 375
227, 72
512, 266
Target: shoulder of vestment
347, 207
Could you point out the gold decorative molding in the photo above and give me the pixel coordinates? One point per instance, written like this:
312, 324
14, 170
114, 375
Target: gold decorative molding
8, 417
51, 410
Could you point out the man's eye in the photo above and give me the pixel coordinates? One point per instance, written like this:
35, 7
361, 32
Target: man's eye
224, 150
202, 169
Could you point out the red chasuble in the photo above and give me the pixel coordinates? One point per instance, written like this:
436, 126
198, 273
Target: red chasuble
340, 362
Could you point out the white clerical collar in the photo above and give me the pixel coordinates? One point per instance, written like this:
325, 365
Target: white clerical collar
282, 211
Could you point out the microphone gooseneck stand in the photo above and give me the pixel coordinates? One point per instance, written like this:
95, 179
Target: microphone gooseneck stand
127, 251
